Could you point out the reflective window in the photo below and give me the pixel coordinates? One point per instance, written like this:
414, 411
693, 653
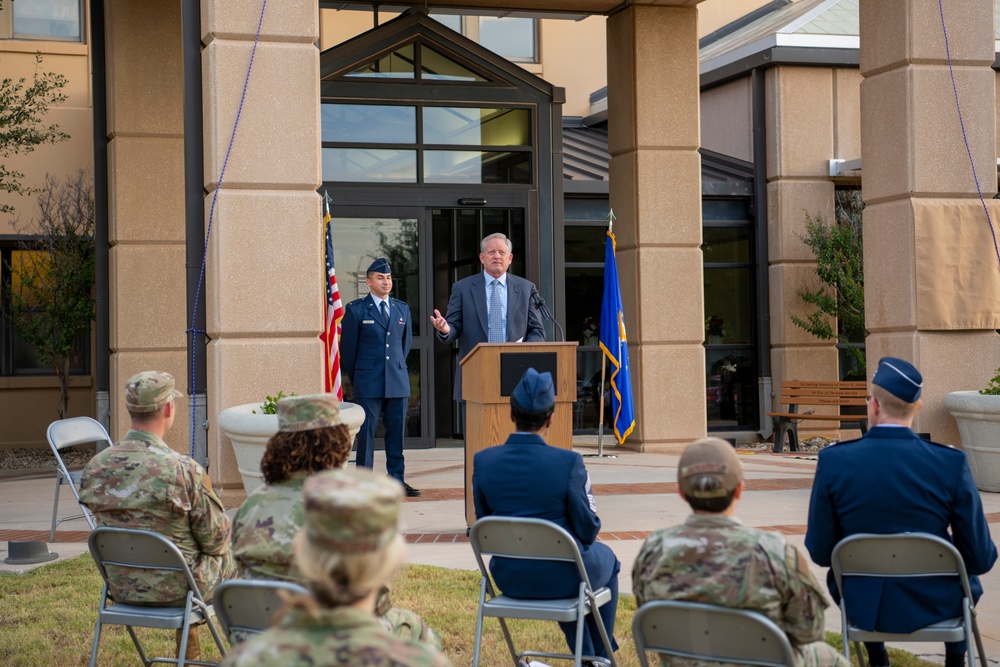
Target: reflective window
731, 382
727, 306
369, 165
369, 123
585, 244
586, 209
510, 37
51, 19
477, 167
397, 65
726, 244
438, 67
477, 127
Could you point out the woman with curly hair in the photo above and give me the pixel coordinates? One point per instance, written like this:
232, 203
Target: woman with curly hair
349, 547
311, 438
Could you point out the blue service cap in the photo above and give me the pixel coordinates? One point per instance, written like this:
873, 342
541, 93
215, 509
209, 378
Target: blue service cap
535, 392
380, 265
899, 378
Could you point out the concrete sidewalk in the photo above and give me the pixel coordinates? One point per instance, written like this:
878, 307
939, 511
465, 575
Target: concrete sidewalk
636, 494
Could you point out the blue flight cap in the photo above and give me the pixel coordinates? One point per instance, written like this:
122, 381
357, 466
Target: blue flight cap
380, 265
899, 378
535, 392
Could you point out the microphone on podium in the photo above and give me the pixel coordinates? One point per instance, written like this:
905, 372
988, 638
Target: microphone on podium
539, 302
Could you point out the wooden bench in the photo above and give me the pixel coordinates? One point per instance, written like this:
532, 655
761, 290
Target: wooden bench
795, 393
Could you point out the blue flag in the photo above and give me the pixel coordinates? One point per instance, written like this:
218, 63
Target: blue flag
615, 345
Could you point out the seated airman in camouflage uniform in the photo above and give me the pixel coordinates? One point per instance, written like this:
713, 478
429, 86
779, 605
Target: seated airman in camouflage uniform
714, 559
142, 483
311, 438
349, 547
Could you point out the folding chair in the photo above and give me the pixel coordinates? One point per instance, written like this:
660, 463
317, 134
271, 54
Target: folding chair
699, 631
905, 555
154, 553
247, 606
534, 539
65, 433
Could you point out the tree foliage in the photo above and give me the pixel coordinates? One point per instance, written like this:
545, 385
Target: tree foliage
51, 293
23, 104
839, 304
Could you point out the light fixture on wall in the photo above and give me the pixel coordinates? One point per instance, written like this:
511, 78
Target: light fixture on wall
472, 201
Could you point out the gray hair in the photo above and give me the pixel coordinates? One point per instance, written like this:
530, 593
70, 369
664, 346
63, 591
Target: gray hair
498, 235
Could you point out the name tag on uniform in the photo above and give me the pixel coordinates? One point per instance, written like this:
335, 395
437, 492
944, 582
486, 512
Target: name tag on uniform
367, 321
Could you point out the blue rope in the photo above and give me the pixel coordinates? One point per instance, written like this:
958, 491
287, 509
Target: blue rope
965, 137
211, 215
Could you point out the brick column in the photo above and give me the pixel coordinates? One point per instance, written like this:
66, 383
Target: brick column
931, 278
653, 99
265, 271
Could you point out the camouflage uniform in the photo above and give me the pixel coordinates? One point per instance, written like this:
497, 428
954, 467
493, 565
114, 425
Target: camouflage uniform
341, 636
346, 511
714, 559
142, 483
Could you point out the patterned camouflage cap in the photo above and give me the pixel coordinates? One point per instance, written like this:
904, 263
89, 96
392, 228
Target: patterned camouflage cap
305, 413
149, 391
709, 456
351, 510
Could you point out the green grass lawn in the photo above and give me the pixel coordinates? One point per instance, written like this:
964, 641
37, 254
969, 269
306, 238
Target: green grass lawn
47, 618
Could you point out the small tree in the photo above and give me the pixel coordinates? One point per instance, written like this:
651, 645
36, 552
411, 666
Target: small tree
51, 292
839, 255
22, 107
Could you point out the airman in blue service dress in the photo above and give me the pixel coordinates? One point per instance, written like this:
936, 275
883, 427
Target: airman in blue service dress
376, 337
892, 481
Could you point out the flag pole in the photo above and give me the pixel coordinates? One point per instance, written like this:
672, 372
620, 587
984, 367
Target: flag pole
604, 367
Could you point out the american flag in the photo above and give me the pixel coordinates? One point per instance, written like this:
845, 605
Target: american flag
334, 314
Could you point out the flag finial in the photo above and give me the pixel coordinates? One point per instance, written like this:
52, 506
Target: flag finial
611, 219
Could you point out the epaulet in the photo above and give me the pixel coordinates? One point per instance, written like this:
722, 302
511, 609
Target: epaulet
844, 442
938, 444
356, 301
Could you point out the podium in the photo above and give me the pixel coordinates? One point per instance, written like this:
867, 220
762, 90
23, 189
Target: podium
489, 374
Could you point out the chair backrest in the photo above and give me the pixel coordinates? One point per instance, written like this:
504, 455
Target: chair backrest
709, 632
249, 605
142, 550
74, 431
524, 538
897, 555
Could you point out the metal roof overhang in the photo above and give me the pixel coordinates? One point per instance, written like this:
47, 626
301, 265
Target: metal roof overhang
567, 9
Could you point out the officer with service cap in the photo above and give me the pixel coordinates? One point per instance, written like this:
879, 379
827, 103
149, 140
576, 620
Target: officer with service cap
143, 483
526, 478
375, 340
348, 548
892, 481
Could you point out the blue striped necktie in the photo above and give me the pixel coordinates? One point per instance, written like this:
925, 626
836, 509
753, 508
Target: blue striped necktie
496, 314
385, 314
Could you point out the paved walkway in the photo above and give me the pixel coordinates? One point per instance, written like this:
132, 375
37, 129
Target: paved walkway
636, 493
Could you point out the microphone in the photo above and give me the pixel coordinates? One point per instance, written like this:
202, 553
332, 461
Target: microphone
536, 299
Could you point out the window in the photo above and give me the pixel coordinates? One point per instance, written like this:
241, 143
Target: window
17, 357
514, 38
56, 20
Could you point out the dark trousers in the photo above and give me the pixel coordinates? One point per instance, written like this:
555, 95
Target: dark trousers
393, 414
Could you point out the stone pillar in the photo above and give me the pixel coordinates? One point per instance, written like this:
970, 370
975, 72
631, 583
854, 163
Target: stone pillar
653, 111
932, 286
265, 274
148, 315
800, 141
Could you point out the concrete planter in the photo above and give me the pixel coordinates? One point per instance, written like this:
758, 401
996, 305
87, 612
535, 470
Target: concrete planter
978, 419
250, 432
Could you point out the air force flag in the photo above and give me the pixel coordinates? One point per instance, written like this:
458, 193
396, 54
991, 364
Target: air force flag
615, 345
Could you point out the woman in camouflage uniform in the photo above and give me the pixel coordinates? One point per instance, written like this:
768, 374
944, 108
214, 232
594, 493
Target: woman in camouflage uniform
348, 548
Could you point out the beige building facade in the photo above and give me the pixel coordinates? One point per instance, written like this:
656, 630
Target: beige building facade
664, 106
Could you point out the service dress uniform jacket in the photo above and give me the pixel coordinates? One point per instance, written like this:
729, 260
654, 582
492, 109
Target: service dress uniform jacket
526, 478
373, 355
142, 483
468, 317
891, 481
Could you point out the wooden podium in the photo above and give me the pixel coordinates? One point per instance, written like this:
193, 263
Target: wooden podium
489, 374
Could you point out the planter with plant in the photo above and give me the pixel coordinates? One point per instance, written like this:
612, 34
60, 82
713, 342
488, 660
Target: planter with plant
977, 414
251, 425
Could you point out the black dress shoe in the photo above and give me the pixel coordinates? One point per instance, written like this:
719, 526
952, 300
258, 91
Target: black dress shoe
410, 491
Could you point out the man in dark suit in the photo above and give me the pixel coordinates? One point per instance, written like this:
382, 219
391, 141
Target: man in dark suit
525, 477
493, 306
375, 340
891, 481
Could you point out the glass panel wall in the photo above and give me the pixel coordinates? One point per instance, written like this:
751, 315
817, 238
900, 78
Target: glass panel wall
730, 365
48, 19
514, 38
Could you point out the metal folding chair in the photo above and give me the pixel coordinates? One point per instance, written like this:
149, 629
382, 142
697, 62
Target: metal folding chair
153, 553
693, 630
534, 539
905, 555
247, 606
63, 434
